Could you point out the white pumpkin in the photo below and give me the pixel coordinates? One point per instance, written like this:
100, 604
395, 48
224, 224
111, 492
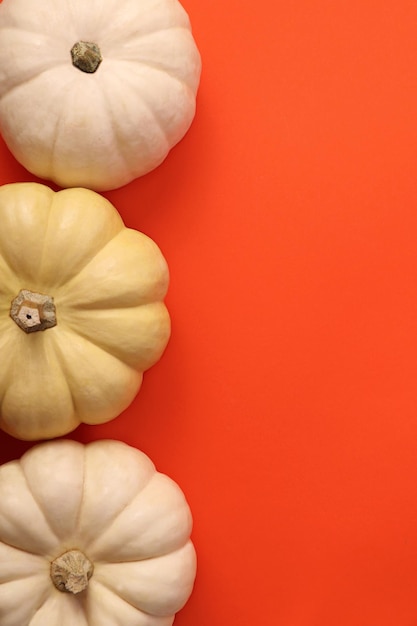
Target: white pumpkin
81, 310
116, 118
92, 536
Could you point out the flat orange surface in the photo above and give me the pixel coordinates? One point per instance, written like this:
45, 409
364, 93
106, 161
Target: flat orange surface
285, 404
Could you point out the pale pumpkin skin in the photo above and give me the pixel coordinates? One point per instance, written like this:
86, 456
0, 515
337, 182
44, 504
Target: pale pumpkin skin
97, 130
106, 500
108, 283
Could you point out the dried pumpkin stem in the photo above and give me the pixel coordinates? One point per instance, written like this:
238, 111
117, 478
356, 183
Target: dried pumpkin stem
33, 311
86, 56
71, 571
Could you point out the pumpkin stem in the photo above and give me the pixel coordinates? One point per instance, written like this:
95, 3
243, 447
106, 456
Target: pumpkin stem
33, 311
86, 56
71, 571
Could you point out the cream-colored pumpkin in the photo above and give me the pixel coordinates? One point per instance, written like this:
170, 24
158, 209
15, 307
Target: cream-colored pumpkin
97, 129
104, 526
107, 283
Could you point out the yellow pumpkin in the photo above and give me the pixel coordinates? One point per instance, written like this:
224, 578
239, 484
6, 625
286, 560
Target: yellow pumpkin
81, 310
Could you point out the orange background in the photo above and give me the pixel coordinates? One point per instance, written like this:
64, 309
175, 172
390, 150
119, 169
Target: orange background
285, 404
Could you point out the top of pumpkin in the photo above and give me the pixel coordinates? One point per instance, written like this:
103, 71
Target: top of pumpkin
92, 535
118, 117
81, 310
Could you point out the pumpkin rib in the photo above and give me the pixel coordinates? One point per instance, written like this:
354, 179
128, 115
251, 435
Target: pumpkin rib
22, 29
100, 545
155, 289
80, 413
27, 82
111, 128
180, 560
106, 219
152, 557
40, 607
12, 274
16, 221
136, 559
54, 143
13, 17
147, 619
22, 576
29, 563
121, 355
173, 16
98, 306
26, 551
82, 499
79, 528
18, 422
43, 596
9, 78
73, 17
8, 286
52, 539
96, 344
45, 239
5, 340
10, 95
57, 539
59, 126
65, 610
134, 36
162, 29
68, 459
114, 519
119, 135
111, 521
170, 138
158, 67
171, 72
99, 583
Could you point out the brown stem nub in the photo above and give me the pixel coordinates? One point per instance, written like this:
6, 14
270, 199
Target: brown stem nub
86, 56
33, 311
71, 571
